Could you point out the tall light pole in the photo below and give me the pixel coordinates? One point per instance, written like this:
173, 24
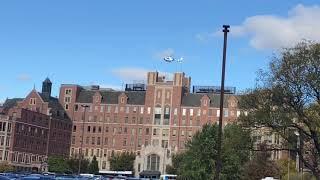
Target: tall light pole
82, 133
218, 161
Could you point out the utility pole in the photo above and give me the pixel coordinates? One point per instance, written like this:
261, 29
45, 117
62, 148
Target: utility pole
218, 160
82, 133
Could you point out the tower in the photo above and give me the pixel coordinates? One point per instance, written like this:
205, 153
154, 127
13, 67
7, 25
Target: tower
46, 87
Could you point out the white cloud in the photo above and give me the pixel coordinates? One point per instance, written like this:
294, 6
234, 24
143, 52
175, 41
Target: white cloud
23, 77
271, 31
164, 53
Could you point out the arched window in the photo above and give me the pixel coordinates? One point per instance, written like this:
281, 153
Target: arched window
153, 162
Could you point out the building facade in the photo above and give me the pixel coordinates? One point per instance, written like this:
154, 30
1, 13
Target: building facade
33, 128
153, 120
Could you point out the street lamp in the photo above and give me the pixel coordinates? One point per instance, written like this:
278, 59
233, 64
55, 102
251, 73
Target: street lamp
298, 148
82, 133
219, 163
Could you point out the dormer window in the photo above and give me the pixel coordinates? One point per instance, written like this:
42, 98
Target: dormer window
122, 100
68, 91
32, 101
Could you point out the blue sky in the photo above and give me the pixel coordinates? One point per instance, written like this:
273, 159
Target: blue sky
115, 41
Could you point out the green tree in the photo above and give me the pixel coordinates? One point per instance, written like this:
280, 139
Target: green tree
5, 167
74, 165
283, 165
198, 161
58, 164
93, 167
287, 98
260, 166
122, 161
176, 159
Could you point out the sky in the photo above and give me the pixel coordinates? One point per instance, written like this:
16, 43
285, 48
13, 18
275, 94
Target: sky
112, 42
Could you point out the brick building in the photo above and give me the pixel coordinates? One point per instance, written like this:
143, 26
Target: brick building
153, 120
33, 128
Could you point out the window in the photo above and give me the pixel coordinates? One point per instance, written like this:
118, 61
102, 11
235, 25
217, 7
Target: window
133, 120
93, 139
149, 110
140, 131
122, 100
174, 132
165, 132
199, 112
153, 162
191, 112
76, 107
182, 133
125, 130
126, 119
166, 115
32, 101
159, 94
87, 140
134, 109
98, 141
73, 140
108, 109
88, 128
238, 113
116, 109
155, 131
139, 142
74, 128
101, 108
141, 110
225, 113
99, 129
133, 131
120, 130
164, 143
67, 99
114, 130
106, 141
141, 120
218, 113
93, 129
168, 95
127, 110
157, 115
190, 133
107, 129
147, 131
125, 142
68, 91
175, 111
66, 106
184, 112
